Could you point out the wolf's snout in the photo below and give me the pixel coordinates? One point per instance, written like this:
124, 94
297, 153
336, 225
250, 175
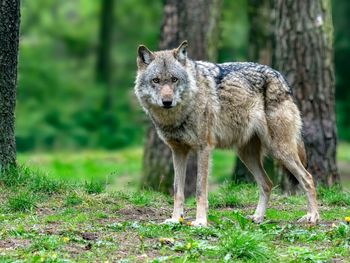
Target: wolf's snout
167, 94
167, 103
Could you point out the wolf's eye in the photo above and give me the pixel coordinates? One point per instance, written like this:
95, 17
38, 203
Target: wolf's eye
174, 79
155, 80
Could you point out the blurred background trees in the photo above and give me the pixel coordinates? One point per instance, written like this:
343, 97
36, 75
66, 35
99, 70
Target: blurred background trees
63, 89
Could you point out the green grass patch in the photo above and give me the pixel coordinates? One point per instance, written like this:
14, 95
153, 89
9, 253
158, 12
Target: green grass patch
243, 245
334, 196
94, 187
95, 213
73, 199
21, 202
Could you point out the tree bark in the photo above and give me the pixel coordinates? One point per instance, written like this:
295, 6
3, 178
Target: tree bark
259, 50
103, 63
9, 39
304, 53
196, 21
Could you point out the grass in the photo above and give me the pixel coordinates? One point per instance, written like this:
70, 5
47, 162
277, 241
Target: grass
94, 213
24, 201
121, 169
51, 220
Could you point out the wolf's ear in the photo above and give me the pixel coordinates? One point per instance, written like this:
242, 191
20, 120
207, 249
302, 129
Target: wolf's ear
145, 56
181, 52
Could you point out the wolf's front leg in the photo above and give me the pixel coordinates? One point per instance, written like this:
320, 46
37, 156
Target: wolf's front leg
180, 163
202, 187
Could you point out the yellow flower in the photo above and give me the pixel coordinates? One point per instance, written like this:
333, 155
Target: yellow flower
65, 239
166, 241
347, 219
189, 245
181, 220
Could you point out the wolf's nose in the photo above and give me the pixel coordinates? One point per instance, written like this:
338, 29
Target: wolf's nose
167, 103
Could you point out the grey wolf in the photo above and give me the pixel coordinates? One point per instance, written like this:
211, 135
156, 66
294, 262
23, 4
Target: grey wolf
197, 106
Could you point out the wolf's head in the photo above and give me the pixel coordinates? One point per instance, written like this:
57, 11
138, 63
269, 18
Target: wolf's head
162, 78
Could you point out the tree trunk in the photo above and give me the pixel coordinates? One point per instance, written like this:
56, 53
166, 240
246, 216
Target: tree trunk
9, 38
304, 53
103, 63
259, 50
196, 21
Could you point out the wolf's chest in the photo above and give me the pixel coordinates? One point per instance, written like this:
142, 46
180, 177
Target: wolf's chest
185, 133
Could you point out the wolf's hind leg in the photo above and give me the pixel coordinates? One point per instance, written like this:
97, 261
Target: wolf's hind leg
250, 154
293, 163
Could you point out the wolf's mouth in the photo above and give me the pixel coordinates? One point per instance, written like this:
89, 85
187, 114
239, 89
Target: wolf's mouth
167, 106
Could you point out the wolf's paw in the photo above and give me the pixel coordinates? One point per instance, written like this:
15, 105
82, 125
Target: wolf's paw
199, 223
256, 219
311, 218
171, 221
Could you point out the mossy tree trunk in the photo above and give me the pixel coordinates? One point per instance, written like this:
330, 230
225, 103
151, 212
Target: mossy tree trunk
259, 50
9, 38
304, 53
196, 21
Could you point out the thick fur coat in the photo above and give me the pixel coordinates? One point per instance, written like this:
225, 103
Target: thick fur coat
197, 106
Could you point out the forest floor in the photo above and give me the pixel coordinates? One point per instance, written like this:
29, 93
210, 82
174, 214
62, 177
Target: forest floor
51, 218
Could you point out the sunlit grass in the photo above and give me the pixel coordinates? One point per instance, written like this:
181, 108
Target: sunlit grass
123, 168
92, 166
343, 152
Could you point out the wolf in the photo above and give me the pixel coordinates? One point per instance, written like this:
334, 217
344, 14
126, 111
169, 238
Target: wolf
197, 106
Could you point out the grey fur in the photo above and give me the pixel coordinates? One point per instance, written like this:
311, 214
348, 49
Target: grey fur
240, 104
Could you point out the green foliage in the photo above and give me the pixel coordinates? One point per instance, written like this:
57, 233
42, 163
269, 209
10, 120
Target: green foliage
224, 197
21, 202
94, 187
60, 103
73, 199
14, 176
334, 196
49, 243
246, 246
44, 184
303, 254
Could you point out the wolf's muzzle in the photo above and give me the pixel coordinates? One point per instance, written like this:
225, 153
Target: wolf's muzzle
167, 103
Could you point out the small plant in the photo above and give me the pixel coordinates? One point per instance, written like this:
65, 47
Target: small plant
48, 243
44, 184
225, 197
94, 187
334, 196
242, 221
140, 198
24, 201
73, 199
14, 176
245, 246
303, 254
